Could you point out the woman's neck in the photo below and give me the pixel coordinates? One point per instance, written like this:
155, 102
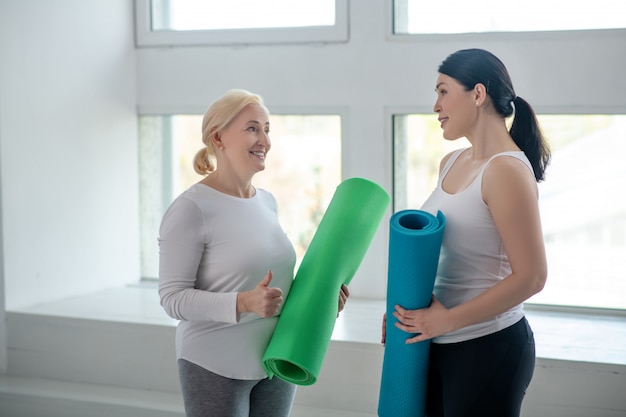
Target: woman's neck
489, 139
229, 185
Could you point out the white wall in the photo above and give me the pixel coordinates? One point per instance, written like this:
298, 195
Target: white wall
371, 75
4, 45
68, 131
4, 39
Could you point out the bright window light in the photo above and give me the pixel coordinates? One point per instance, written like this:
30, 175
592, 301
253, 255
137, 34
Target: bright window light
477, 16
240, 22
240, 14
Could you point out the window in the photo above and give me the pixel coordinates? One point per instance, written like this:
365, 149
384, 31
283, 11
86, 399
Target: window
211, 22
582, 207
461, 16
240, 14
303, 169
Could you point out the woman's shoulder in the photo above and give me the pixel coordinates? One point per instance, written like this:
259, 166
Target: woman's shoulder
508, 172
196, 194
198, 198
266, 197
510, 161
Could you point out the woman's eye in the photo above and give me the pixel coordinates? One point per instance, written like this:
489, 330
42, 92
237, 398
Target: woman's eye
252, 129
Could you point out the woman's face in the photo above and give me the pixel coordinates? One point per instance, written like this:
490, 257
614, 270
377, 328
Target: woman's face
246, 142
455, 106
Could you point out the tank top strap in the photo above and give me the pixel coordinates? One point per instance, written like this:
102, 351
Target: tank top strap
449, 164
515, 154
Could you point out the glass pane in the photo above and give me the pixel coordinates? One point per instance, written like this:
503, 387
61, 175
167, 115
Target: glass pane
583, 208
240, 14
582, 201
303, 168
462, 16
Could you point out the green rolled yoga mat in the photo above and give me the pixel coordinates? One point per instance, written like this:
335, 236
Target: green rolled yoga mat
297, 348
415, 238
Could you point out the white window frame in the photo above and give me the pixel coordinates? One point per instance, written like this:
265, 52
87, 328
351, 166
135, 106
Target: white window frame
146, 37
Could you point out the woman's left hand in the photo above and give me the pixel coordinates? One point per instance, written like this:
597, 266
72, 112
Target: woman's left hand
343, 297
426, 323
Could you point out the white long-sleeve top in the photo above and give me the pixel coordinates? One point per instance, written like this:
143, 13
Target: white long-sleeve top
212, 246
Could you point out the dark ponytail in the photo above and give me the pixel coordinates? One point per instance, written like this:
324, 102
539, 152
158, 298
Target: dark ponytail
527, 135
473, 66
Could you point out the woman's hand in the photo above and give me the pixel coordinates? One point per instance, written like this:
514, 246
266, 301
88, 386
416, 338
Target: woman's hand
262, 300
426, 323
344, 293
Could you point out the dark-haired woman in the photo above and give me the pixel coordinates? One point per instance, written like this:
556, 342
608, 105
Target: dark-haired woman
493, 257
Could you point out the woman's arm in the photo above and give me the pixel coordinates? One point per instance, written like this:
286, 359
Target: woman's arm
181, 246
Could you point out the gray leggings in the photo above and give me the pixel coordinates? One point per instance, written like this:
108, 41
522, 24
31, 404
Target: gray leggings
206, 394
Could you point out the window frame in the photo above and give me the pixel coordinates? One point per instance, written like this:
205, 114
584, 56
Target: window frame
146, 37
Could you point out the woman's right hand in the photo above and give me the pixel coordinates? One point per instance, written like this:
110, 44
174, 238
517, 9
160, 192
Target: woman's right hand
263, 300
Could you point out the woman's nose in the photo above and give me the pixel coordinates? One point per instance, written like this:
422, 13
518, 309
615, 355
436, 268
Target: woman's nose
265, 140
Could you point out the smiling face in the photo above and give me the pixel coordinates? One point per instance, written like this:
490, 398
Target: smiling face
455, 106
245, 142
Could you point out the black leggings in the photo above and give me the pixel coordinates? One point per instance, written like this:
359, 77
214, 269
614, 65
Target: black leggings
485, 377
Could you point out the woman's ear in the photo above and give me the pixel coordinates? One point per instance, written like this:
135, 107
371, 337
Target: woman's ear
216, 140
479, 93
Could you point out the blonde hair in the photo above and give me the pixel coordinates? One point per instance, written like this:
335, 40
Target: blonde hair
218, 117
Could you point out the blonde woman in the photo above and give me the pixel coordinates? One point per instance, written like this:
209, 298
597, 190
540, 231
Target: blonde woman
226, 266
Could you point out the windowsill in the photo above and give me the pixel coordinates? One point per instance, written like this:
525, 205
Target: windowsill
580, 337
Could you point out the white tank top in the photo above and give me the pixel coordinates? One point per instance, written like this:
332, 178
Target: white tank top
472, 256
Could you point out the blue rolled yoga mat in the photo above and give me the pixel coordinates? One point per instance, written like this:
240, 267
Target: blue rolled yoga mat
297, 348
414, 244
